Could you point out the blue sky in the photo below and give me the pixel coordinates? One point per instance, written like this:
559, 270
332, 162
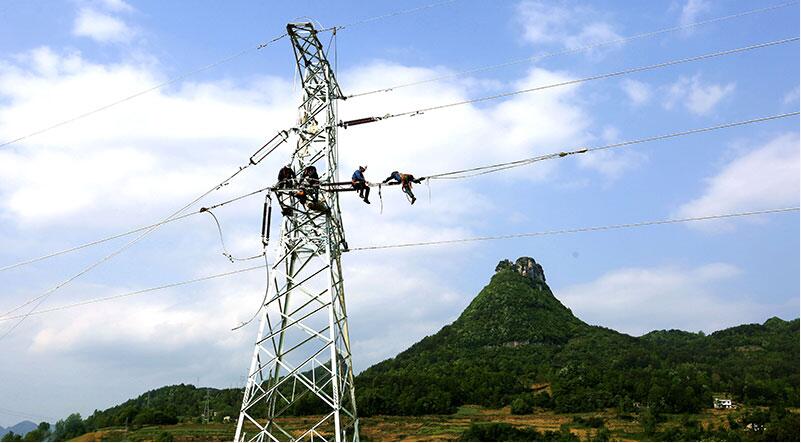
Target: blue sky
136, 162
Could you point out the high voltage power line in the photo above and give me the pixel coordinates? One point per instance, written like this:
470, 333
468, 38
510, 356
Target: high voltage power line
591, 46
389, 15
38, 300
390, 88
429, 243
452, 174
584, 229
465, 173
263, 152
306, 32
627, 71
456, 174
207, 67
129, 294
144, 91
123, 234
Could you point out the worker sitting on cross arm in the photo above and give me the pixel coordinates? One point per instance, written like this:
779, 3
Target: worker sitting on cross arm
310, 180
405, 181
286, 180
360, 184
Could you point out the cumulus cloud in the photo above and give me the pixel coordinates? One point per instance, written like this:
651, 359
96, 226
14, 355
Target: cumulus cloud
692, 10
640, 300
558, 23
116, 5
765, 177
638, 92
695, 96
102, 27
527, 125
132, 163
610, 163
142, 154
791, 96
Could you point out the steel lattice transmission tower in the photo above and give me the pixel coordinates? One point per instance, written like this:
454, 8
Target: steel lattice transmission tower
302, 358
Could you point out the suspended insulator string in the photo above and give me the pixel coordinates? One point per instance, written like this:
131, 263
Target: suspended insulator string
430, 243
480, 170
125, 234
576, 81
584, 229
144, 91
38, 300
540, 57
129, 294
389, 15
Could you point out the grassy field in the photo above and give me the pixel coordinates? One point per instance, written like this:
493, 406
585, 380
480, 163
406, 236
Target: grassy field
423, 428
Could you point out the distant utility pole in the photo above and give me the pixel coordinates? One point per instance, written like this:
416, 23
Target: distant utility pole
303, 348
206, 411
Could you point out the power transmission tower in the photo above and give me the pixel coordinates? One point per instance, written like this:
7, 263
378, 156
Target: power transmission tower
206, 411
302, 356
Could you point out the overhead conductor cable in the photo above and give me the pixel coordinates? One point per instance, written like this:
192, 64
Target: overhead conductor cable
584, 229
432, 243
38, 300
458, 174
486, 169
611, 42
208, 67
696, 58
145, 91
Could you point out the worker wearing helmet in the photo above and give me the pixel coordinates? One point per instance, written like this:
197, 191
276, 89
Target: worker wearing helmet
360, 184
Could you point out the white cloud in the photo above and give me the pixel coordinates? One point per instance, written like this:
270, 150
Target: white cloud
640, 300
791, 97
132, 163
638, 92
692, 10
527, 125
764, 178
143, 154
571, 27
695, 96
611, 164
116, 5
102, 27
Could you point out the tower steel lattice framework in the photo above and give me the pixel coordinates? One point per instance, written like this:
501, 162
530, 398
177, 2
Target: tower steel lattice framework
302, 358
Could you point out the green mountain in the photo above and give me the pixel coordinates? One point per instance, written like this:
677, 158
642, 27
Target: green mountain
516, 344
516, 341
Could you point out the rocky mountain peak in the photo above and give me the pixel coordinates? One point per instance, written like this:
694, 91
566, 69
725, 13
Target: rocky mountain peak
527, 267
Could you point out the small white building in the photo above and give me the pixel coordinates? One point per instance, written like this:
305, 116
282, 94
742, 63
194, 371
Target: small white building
723, 403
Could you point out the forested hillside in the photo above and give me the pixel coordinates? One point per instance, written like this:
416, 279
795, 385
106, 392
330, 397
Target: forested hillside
516, 334
516, 344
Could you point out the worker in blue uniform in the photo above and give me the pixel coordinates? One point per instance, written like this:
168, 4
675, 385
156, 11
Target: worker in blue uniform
359, 183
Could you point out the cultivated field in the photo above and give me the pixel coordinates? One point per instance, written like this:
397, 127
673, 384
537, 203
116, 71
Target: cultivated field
423, 428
